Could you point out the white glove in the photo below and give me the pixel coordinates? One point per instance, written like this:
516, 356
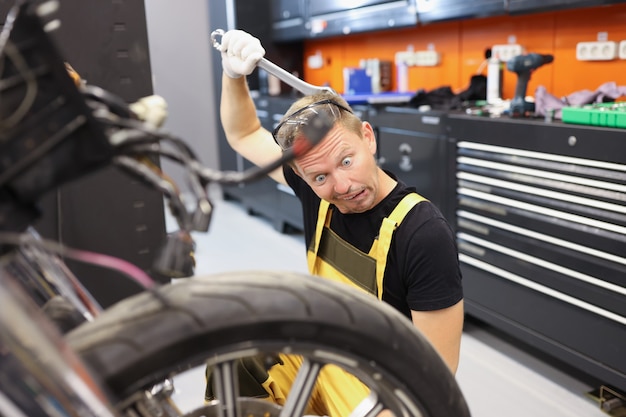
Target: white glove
240, 53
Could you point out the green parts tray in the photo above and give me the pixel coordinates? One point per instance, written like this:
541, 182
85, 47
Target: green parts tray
599, 114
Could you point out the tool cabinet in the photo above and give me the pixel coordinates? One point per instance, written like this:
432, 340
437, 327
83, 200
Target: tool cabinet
541, 229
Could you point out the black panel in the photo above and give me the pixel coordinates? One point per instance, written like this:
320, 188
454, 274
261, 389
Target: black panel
288, 20
317, 7
525, 6
115, 53
110, 212
572, 232
439, 10
591, 345
287, 9
541, 228
107, 212
556, 138
300, 19
519, 248
413, 145
371, 17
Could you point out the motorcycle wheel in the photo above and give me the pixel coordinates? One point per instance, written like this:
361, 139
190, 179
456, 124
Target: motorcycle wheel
146, 339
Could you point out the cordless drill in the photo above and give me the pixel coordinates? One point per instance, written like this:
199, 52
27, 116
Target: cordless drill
523, 65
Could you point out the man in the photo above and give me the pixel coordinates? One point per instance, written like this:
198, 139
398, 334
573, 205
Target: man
362, 226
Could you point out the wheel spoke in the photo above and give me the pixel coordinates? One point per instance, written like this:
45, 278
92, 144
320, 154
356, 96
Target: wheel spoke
302, 388
369, 407
226, 388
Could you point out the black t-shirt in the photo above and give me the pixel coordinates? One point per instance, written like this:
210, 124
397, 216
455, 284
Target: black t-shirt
422, 270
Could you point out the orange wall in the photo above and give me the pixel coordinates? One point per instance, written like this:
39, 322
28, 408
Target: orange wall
462, 47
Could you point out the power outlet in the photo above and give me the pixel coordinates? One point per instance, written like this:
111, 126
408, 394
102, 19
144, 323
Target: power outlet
426, 58
622, 50
418, 58
404, 57
506, 52
596, 51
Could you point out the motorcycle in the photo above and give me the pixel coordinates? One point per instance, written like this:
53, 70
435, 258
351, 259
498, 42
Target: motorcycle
121, 361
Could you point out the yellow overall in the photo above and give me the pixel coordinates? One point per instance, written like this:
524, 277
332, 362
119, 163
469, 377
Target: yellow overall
337, 392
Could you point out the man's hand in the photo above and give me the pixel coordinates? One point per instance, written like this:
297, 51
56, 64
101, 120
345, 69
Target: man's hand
240, 53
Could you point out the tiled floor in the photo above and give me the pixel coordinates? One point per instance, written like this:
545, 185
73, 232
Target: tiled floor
497, 378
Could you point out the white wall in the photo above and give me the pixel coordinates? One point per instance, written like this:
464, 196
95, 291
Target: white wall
183, 68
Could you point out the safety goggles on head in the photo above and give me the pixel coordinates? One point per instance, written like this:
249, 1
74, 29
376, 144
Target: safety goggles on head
287, 130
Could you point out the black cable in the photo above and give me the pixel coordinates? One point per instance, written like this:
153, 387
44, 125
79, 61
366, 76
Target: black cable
152, 135
186, 156
146, 174
113, 102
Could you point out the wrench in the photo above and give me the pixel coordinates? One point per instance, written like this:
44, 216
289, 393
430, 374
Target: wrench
285, 76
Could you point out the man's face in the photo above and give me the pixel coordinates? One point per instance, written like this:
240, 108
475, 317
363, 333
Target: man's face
342, 170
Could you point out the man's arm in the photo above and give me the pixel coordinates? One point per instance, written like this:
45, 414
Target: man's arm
240, 53
443, 328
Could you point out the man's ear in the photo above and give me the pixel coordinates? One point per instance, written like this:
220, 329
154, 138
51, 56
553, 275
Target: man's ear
369, 136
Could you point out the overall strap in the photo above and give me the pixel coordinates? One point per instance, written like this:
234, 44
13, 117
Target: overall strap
385, 235
322, 220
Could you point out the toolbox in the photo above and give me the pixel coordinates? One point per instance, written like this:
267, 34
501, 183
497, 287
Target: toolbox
598, 114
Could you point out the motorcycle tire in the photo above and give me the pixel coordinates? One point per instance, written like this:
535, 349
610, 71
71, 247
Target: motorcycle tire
147, 338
